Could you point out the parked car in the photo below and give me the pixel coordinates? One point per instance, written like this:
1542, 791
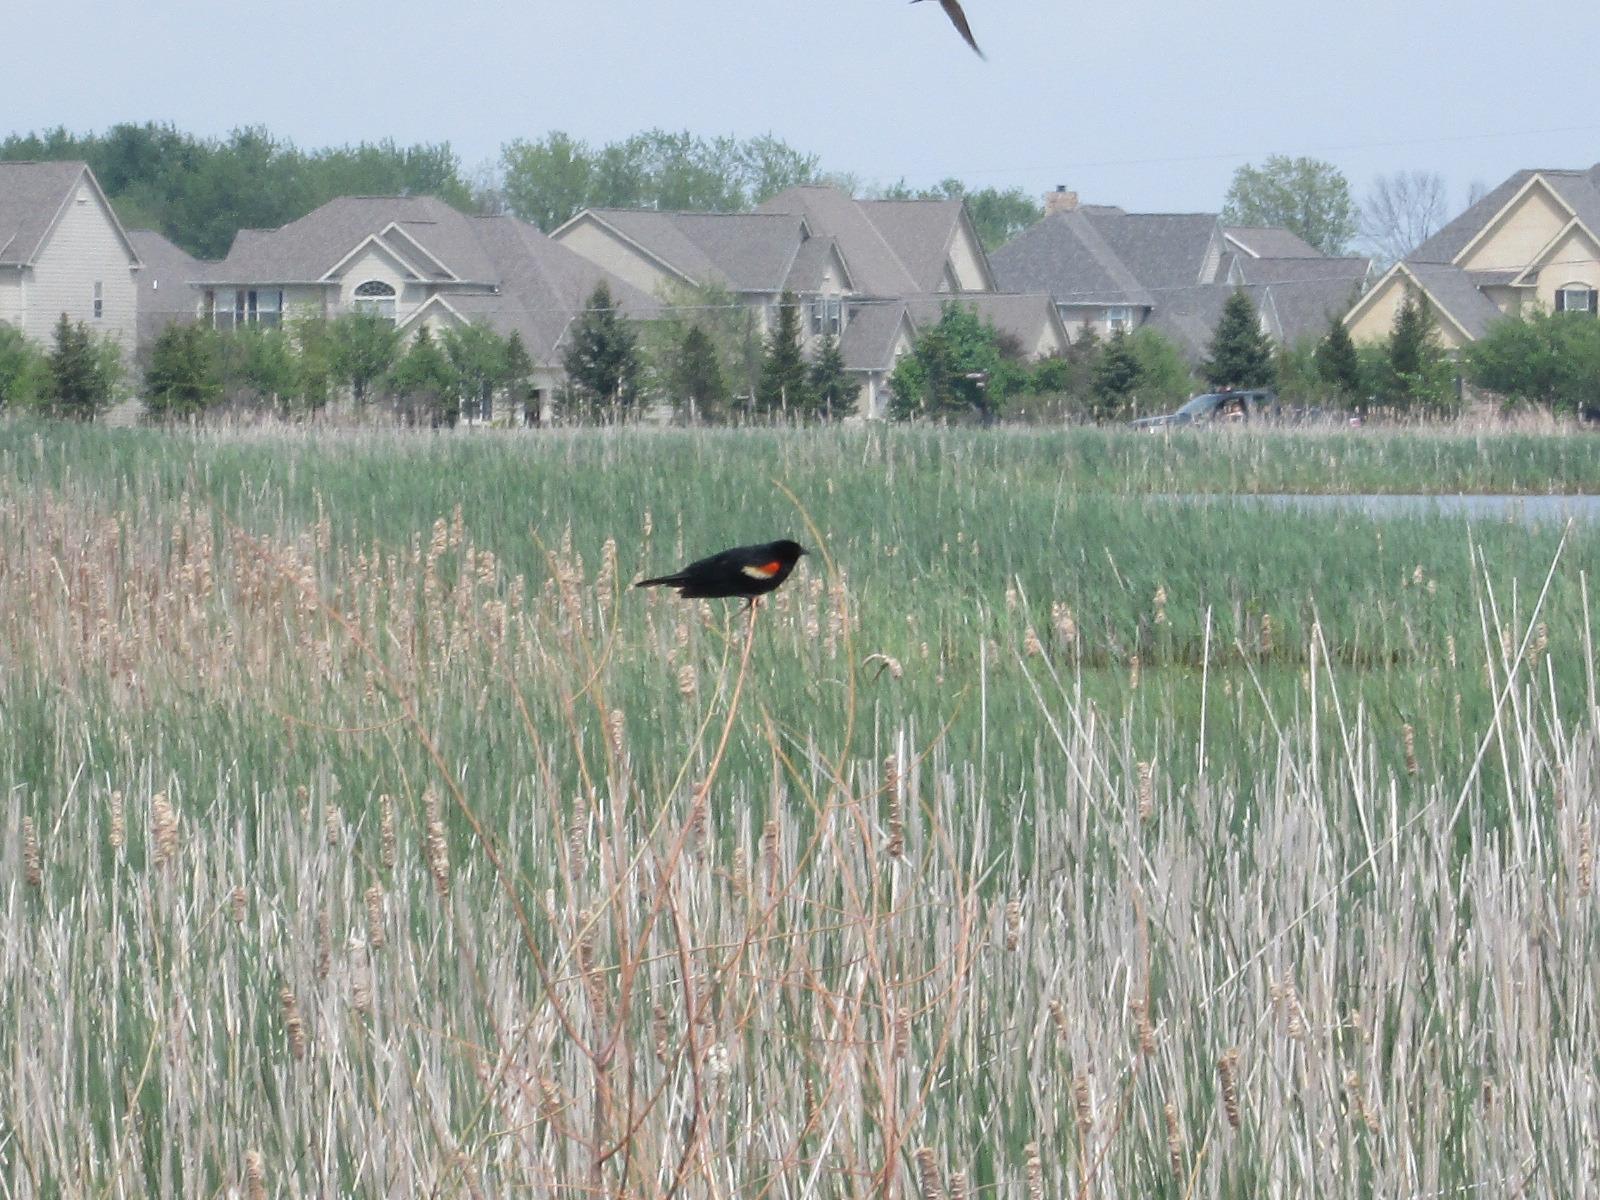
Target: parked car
1227, 405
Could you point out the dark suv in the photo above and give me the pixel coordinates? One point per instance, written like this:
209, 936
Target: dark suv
1225, 406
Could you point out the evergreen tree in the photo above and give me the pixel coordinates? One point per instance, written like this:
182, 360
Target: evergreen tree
1420, 377
1116, 378
363, 347
955, 369
784, 386
602, 361
696, 377
833, 391
185, 373
519, 367
1338, 364
424, 384
82, 376
1240, 355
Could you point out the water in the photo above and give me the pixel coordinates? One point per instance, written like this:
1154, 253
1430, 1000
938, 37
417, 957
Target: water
1530, 510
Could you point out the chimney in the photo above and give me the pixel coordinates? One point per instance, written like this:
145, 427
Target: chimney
1060, 200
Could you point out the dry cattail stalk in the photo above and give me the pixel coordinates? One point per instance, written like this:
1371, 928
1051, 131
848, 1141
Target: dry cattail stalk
119, 827
1410, 737
360, 976
163, 829
1161, 605
1013, 924
375, 932
302, 797
958, 1186
1228, 1076
1266, 634
1147, 1031
1358, 1102
1585, 857
1133, 673
1083, 1104
435, 849
386, 832
1541, 643
238, 901
769, 854
1058, 1018
928, 1187
293, 1024
661, 1034
32, 871
324, 943
695, 834
1035, 1168
550, 1099
255, 1175
335, 828
1174, 1141
577, 833
1147, 791
897, 813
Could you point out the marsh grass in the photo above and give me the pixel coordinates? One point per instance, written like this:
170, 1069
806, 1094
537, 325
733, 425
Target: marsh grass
349, 850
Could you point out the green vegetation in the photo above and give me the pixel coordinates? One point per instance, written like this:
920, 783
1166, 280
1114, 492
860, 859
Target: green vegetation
1305, 195
1547, 359
379, 838
1240, 354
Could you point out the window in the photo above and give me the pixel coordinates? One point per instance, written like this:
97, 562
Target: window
1576, 297
244, 306
1119, 319
375, 297
827, 313
99, 300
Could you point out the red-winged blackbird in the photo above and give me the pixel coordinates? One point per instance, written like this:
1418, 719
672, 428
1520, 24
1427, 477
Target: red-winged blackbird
952, 9
744, 571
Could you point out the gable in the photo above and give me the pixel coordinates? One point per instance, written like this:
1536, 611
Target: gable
374, 259
587, 235
1571, 260
1519, 232
1372, 319
968, 266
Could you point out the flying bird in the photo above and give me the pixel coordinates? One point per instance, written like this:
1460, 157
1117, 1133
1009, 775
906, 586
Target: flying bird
744, 571
952, 9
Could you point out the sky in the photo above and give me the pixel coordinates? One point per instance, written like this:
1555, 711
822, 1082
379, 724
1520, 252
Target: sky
1150, 104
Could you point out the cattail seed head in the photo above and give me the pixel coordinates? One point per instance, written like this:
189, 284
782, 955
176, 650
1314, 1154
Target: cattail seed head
163, 829
435, 848
1034, 1165
928, 1186
688, 683
335, 826
1065, 625
1147, 790
1031, 645
324, 943
238, 902
1133, 673
616, 731
1083, 1104
958, 1186
1161, 605
1585, 858
1228, 1077
1409, 735
376, 937
901, 1034
1174, 1141
897, 815
294, 1025
1058, 1018
32, 870
255, 1175
1266, 634
1013, 924
386, 832
661, 1035
119, 827
1147, 1031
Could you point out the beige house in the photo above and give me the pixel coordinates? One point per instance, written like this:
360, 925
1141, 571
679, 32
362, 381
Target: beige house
1530, 244
62, 250
1112, 271
869, 272
415, 261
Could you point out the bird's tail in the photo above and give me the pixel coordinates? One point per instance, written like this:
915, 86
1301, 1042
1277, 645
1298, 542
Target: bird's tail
662, 581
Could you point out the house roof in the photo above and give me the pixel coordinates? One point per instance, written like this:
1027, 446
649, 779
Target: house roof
168, 270
494, 269
1579, 190
1023, 316
1297, 270
1453, 290
811, 263
1266, 241
1066, 256
874, 261
748, 252
1161, 250
869, 339
32, 198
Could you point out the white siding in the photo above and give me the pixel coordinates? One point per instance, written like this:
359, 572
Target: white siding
966, 262
11, 297
83, 250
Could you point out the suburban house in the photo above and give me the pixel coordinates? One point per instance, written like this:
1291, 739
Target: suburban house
869, 272
1533, 243
1110, 270
62, 250
165, 297
418, 262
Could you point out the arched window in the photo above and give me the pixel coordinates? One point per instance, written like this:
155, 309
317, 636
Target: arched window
376, 297
1576, 297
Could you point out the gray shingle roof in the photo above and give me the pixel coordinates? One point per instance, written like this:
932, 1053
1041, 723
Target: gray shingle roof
164, 292
919, 232
748, 252
1268, 241
875, 264
1065, 256
32, 194
1443, 246
868, 341
1162, 250
1453, 290
1287, 270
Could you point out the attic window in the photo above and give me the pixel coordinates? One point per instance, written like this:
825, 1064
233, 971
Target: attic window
375, 297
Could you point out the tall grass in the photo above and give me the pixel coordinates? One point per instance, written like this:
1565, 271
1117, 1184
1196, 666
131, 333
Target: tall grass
355, 845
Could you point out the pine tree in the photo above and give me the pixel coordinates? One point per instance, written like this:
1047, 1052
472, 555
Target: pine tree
1338, 364
1116, 378
784, 385
1240, 355
832, 388
602, 362
519, 367
185, 373
696, 376
1420, 377
81, 374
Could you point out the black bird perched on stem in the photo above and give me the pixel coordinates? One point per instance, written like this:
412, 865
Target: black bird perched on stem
744, 571
952, 9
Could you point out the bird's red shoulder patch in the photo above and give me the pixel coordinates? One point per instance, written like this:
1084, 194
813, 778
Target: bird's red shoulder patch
764, 571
